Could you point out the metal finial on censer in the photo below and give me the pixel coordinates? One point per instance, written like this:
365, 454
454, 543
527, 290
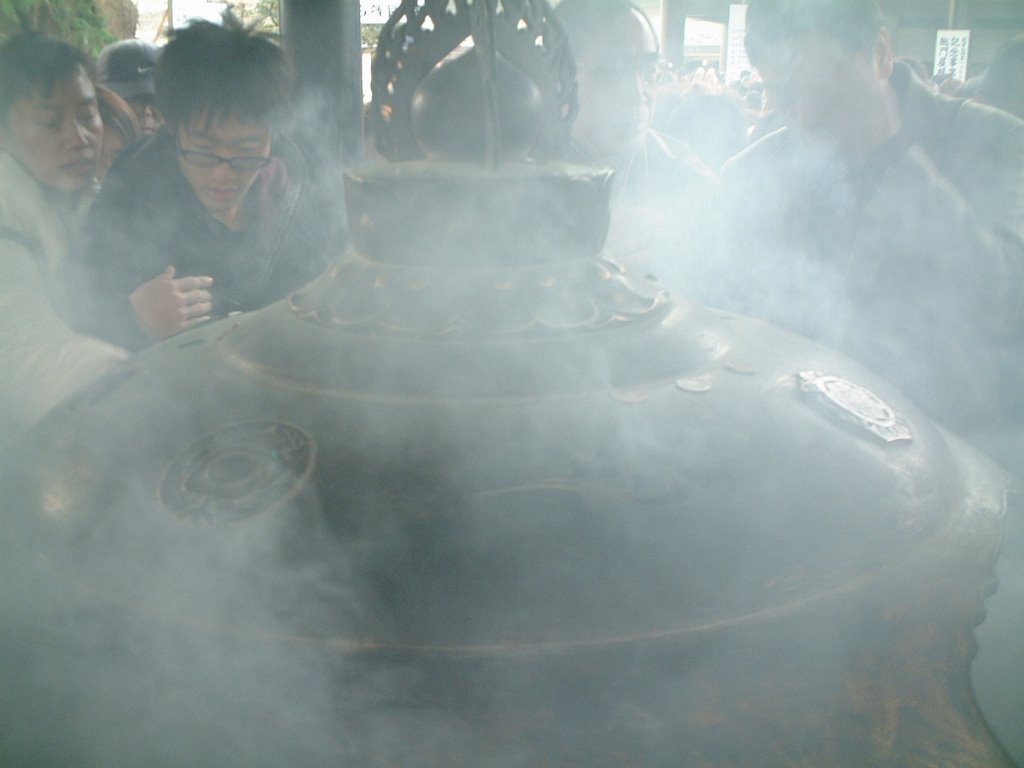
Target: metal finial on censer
481, 80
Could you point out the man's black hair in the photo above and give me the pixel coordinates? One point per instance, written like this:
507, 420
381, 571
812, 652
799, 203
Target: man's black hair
223, 71
772, 23
33, 64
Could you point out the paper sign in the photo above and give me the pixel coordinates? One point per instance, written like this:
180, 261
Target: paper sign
951, 53
376, 11
736, 51
184, 10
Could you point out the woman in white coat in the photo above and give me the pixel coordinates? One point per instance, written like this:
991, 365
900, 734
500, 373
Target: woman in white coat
50, 134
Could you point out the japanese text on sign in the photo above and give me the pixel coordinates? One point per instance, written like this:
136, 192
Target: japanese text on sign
375, 12
951, 53
736, 60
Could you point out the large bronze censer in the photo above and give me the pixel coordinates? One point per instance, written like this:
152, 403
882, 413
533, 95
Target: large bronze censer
478, 497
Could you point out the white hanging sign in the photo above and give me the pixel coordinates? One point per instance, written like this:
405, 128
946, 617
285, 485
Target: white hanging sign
182, 11
376, 11
951, 46
736, 60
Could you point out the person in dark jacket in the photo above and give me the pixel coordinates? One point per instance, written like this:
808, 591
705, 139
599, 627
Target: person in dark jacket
215, 213
885, 220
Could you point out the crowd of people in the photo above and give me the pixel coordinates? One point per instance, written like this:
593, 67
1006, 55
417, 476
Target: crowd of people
140, 197
851, 200
835, 192
884, 219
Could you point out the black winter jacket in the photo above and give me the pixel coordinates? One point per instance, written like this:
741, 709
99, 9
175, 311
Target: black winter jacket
147, 217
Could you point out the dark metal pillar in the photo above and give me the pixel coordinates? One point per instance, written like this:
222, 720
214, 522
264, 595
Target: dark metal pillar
323, 39
673, 30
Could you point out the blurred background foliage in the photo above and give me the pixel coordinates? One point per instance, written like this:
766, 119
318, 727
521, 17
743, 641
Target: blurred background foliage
89, 24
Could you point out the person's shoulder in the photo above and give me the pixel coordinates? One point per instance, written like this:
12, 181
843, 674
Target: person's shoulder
141, 206
978, 116
127, 155
679, 151
27, 218
147, 157
952, 123
141, 176
21, 196
672, 147
283, 180
958, 111
289, 152
980, 139
768, 151
673, 163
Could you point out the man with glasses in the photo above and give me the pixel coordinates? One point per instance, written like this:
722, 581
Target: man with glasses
216, 212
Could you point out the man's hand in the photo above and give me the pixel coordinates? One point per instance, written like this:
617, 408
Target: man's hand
167, 305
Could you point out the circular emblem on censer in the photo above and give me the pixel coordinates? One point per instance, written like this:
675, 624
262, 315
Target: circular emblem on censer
237, 472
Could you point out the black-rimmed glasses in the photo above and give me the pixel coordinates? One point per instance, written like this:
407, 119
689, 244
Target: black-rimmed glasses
244, 164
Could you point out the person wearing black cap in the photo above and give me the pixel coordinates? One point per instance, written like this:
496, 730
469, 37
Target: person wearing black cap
128, 68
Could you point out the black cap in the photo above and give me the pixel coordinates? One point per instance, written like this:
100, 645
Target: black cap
127, 67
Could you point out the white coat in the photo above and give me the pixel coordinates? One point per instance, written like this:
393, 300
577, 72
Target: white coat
42, 360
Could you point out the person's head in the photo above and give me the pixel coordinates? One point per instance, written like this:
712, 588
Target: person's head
120, 127
825, 64
616, 52
49, 118
128, 67
223, 91
1002, 85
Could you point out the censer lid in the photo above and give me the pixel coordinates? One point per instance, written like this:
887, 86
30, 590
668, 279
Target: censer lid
469, 215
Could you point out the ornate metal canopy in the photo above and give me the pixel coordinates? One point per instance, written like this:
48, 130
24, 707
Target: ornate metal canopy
507, 39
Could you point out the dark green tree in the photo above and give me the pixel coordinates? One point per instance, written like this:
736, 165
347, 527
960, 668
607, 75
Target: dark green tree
77, 21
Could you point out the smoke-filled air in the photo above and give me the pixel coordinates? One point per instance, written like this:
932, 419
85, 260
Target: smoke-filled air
565, 403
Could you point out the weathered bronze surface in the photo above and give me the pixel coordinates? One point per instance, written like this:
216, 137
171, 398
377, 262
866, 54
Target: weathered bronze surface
524, 512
